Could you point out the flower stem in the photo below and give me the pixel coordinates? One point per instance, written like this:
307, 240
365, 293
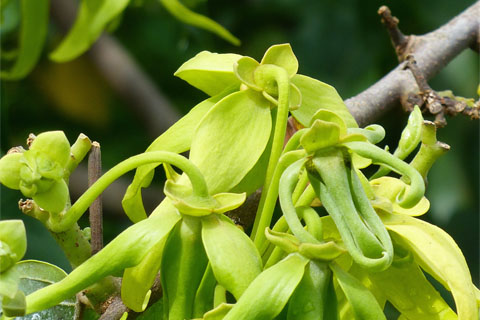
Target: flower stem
64, 221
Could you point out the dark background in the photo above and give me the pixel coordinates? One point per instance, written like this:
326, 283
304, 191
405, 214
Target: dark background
339, 42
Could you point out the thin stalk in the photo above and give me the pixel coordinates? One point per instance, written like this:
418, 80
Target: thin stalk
66, 220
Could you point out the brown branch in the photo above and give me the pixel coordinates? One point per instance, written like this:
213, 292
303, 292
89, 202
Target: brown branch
399, 41
95, 211
123, 74
432, 52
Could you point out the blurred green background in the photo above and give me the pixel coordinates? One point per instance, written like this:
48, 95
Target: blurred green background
339, 42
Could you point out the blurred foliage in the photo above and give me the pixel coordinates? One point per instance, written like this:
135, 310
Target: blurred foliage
339, 42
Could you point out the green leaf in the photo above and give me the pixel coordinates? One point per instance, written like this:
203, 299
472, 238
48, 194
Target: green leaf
125, 251
406, 287
10, 170
13, 241
35, 275
233, 256
204, 297
270, 291
54, 144
210, 72
438, 254
176, 139
55, 199
187, 16
318, 95
219, 312
138, 280
93, 17
32, 36
282, 55
363, 302
240, 123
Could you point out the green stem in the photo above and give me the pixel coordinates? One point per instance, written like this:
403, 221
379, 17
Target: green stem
283, 83
74, 244
264, 217
64, 221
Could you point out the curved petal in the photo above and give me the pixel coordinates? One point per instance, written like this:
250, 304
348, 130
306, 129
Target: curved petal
282, 55
10, 170
438, 254
233, 256
240, 123
210, 72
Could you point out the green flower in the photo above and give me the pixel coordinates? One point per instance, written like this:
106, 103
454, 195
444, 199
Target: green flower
39, 173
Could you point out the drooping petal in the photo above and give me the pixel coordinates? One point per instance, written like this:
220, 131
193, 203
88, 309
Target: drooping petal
270, 291
176, 139
318, 95
438, 254
240, 123
233, 256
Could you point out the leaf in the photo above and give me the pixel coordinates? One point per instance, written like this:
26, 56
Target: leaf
35, 275
318, 95
438, 254
219, 312
176, 139
125, 251
233, 256
10, 170
363, 302
240, 123
282, 55
210, 72
32, 36
187, 16
270, 291
93, 17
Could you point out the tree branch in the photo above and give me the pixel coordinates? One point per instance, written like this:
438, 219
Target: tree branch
432, 52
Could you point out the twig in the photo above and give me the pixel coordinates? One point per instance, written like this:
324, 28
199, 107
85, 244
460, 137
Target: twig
435, 103
399, 40
432, 52
96, 223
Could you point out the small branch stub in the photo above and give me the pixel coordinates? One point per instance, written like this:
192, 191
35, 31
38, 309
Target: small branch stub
96, 223
399, 40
